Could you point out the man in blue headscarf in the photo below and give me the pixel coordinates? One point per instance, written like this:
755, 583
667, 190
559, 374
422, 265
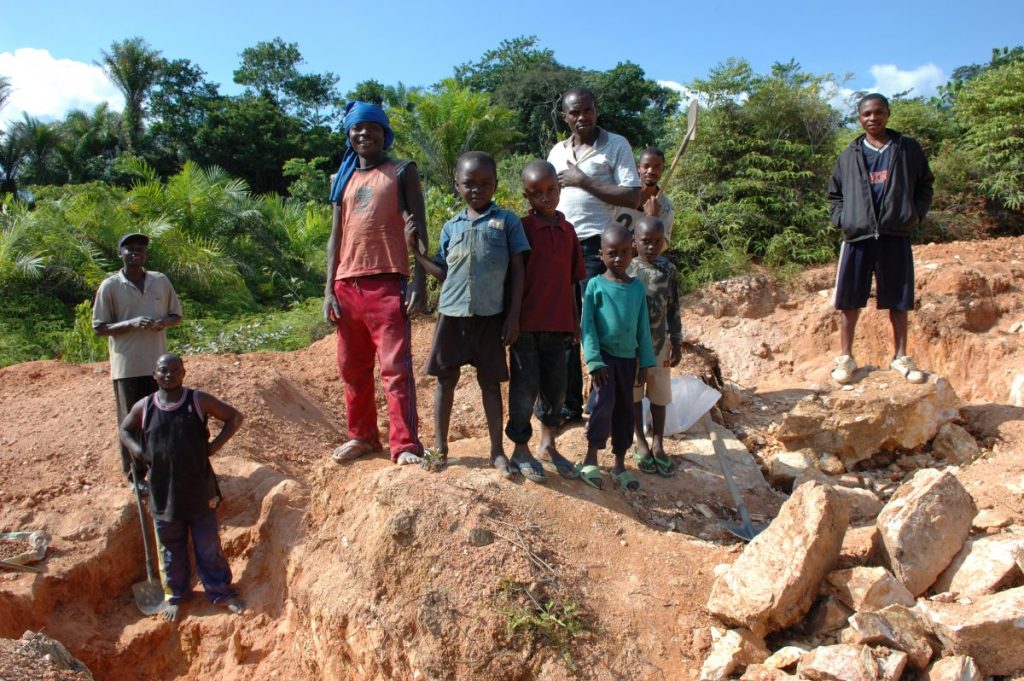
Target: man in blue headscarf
375, 199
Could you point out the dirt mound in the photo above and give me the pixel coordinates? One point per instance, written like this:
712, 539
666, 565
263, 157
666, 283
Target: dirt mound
375, 571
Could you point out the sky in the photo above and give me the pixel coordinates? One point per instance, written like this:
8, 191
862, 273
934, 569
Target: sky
48, 52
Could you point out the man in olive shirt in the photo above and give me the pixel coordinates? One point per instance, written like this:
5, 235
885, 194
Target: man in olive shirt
133, 308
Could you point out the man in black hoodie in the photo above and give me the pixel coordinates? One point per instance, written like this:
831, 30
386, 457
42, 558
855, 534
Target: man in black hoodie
880, 188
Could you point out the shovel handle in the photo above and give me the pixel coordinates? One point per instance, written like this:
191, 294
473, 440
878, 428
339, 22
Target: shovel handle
142, 522
720, 452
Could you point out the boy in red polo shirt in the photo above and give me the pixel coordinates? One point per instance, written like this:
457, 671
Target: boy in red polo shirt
548, 320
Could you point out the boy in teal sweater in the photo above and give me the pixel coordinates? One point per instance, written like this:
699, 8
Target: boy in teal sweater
618, 350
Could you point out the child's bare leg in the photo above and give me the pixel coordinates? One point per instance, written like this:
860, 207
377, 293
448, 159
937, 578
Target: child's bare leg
491, 392
591, 458
658, 430
642, 448
547, 449
444, 398
620, 462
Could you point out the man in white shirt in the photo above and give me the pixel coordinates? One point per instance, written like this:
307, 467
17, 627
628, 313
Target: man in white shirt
597, 173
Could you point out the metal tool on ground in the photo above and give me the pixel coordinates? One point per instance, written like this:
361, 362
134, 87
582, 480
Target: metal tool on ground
37, 541
149, 595
745, 531
691, 134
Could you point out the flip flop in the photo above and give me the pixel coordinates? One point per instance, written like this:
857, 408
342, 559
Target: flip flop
647, 464
564, 468
666, 468
351, 450
591, 475
500, 462
626, 480
531, 469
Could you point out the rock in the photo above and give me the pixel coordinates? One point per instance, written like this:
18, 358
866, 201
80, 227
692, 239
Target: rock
775, 580
988, 630
989, 519
895, 627
831, 464
864, 504
760, 672
1016, 395
845, 662
955, 445
480, 536
827, 615
785, 467
732, 397
858, 546
37, 656
784, 657
923, 526
856, 424
983, 566
955, 668
867, 588
732, 650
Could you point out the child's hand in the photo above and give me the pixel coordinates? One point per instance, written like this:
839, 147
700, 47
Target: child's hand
676, 355
510, 330
641, 377
412, 238
599, 377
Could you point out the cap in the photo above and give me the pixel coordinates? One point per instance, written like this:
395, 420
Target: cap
134, 236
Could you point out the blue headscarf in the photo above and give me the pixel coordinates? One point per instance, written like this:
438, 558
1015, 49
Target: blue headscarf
358, 112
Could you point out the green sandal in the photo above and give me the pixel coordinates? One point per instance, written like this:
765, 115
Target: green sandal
591, 475
626, 480
666, 468
647, 464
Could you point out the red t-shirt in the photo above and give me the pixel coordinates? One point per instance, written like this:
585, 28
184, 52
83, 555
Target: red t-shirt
553, 266
372, 225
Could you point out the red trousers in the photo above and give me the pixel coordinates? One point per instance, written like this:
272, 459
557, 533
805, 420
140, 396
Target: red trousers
373, 323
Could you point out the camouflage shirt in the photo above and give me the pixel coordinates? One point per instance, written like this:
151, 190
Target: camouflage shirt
661, 280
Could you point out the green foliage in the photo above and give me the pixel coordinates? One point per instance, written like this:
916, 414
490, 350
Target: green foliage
990, 107
31, 325
926, 120
133, 67
282, 330
311, 179
549, 623
442, 124
79, 344
633, 105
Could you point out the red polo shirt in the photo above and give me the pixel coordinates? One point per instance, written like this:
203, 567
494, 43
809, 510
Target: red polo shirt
553, 266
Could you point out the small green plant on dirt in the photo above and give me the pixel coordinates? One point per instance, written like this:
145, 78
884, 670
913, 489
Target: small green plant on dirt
434, 459
549, 622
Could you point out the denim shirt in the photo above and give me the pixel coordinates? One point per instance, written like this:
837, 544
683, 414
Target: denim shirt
476, 254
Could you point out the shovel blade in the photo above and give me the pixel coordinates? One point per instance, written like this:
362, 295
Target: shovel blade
149, 596
744, 532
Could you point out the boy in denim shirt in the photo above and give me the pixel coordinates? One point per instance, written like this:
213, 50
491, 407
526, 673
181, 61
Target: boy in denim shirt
480, 249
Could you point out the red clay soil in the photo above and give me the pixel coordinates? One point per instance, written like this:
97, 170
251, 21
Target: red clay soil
371, 571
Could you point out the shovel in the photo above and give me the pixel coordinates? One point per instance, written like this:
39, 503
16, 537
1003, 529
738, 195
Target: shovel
149, 595
746, 530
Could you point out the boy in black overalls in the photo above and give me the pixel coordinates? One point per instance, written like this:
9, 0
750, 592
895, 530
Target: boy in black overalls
183, 490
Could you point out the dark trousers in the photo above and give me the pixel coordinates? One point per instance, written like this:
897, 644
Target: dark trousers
612, 406
213, 568
574, 361
128, 391
537, 383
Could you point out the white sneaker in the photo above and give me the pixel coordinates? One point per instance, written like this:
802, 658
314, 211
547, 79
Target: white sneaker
907, 369
842, 373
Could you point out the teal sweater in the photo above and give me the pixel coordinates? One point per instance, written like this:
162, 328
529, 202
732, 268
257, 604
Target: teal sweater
615, 321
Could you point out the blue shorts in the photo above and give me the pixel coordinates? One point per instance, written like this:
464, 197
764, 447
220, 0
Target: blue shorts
890, 259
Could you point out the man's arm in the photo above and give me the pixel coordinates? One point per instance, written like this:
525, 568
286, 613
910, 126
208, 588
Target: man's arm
131, 424
416, 220
923, 188
332, 308
835, 196
612, 194
222, 411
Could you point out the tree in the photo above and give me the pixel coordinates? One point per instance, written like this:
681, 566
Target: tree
178, 107
444, 123
89, 144
133, 67
5, 91
41, 141
990, 107
632, 105
12, 155
272, 69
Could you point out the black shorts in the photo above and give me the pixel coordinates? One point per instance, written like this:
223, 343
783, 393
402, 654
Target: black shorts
469, 340
890, 259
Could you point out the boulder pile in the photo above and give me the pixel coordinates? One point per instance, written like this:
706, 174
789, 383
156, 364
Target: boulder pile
911, 595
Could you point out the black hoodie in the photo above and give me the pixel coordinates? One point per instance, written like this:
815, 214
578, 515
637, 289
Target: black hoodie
905, 199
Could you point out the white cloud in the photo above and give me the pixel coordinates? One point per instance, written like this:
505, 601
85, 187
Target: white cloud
922, 81
48, 88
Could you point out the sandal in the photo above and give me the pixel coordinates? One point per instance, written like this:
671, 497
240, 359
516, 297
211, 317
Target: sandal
529, 468
351, 450
591, 475
666, 467
626, 480
647, 464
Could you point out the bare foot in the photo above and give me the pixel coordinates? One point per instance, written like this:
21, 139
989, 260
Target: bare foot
171, 612
233, 604
501, 463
